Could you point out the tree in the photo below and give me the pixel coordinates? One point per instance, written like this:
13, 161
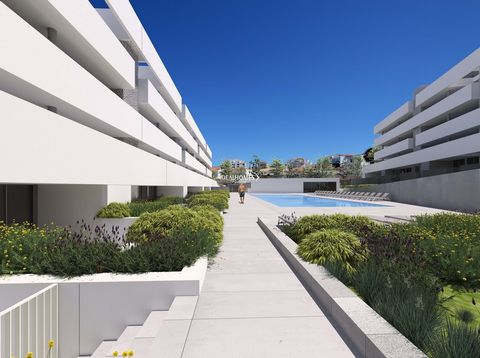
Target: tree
277, 168
352, 169
324, 168
369, 154
239, 171
226, 169
255, 165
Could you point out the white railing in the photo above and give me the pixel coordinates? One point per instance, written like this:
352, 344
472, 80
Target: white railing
29, 326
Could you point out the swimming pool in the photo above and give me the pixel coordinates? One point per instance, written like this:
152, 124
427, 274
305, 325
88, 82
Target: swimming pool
291, 200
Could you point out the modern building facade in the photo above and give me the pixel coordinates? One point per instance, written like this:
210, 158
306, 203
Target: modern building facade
429, 147
89, 114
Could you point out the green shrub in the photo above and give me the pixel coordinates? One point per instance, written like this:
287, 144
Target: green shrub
219, 201
360, 226
334, 246
455, 340
174, 222
409, 306
452, 248
114, 210
212, 214
137, 208
462, 225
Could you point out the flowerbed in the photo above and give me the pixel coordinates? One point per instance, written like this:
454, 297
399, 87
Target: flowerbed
403, 271
166, 240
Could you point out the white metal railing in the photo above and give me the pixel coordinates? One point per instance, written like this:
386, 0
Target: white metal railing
30, 325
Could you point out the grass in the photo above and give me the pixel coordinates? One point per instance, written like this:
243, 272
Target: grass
456, 299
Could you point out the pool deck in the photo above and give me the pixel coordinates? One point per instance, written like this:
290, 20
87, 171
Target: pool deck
388, 209
252, 304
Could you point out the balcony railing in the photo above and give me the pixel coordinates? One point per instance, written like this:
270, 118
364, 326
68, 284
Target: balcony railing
31, 325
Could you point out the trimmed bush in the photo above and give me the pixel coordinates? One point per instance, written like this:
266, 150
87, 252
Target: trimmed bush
360, 226
137, 208
175, 222
114, 210
333, 246
211, 213
214, 198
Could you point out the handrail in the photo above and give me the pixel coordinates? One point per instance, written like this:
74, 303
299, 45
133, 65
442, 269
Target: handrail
31, 326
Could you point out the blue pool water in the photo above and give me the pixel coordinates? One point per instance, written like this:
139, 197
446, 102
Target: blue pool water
308, 201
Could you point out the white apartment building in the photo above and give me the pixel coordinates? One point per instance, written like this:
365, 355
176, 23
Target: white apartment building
430, 146
89, 114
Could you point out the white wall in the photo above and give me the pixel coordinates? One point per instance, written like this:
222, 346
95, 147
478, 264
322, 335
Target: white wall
286, 185
119, 193
65, 204
57, 150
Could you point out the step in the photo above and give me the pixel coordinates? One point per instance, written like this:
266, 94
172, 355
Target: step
152, 324
170, 340
103, 349
182, 307
124, 342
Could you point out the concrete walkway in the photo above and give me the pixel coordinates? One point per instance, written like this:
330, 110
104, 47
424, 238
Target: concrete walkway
252, 305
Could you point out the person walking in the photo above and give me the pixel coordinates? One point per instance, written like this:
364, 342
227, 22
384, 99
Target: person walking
241, 191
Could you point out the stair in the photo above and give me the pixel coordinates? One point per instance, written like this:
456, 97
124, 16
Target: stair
162, 335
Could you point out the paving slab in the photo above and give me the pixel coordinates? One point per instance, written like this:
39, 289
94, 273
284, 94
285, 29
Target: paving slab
232, 282
259, 304
302, 337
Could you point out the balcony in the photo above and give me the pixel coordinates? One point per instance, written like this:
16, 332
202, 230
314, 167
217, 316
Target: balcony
83, 35
441, 85
395, 149
468, 121
153, 106
123, 21
394, 118
456, 148
430, 115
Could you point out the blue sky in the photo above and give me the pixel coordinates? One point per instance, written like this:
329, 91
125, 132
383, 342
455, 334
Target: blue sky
307, 78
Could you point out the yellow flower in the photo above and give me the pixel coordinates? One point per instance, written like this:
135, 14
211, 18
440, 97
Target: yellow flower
51, 343
29, 355
124, 354
130, 353
115, 354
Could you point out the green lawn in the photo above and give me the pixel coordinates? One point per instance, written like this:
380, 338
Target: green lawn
455, 299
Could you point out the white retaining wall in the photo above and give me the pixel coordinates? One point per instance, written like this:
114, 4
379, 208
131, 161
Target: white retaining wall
454, 191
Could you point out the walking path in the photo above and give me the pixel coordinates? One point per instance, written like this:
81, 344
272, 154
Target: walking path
252, 305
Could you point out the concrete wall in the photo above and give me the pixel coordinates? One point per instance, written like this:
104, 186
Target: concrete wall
286, 185
454, 191
65, 204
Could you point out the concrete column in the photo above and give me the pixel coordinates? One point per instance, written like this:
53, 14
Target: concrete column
119, 193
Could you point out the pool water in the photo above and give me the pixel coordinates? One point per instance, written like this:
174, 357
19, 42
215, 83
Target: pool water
292, 200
